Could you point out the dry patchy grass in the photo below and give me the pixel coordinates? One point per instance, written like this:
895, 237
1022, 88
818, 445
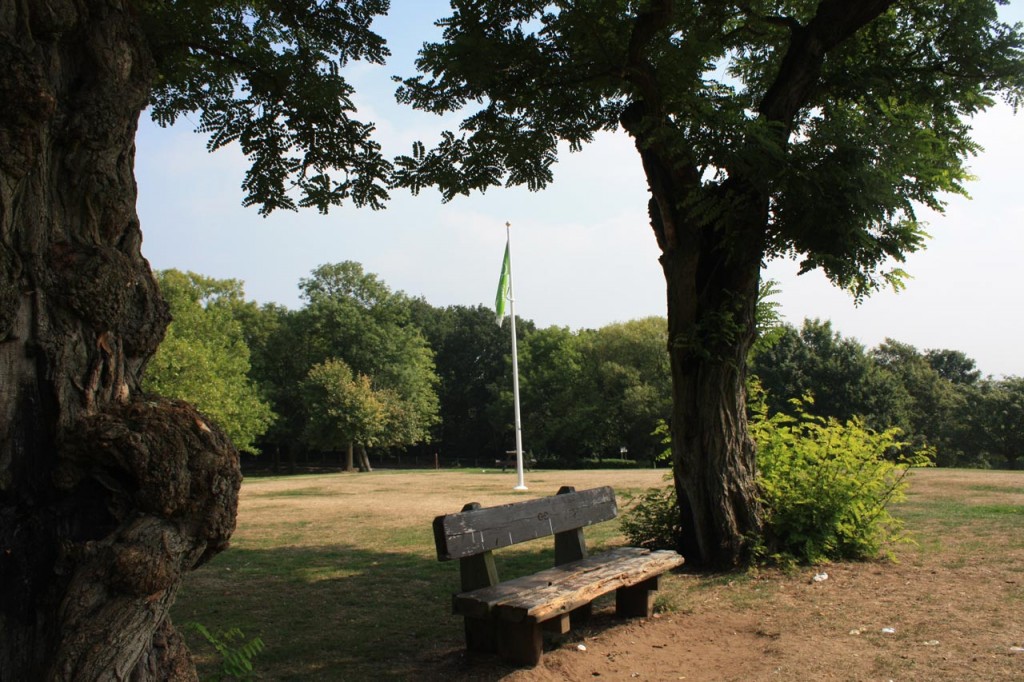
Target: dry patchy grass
338, 576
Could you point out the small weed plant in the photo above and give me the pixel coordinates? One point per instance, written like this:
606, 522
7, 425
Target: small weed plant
654, 521
825, 486
236, 654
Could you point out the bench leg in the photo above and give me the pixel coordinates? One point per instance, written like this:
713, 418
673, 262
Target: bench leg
559, 625
480, 635
582, 614
636, 601
520, 643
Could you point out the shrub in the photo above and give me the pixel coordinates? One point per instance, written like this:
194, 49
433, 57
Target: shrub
826, 487
654, 521
609, 463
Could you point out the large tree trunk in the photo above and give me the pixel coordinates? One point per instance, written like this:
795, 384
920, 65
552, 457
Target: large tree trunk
712, 453
107, 497
712, 245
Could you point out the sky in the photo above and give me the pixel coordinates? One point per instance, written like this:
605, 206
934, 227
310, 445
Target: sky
583, 253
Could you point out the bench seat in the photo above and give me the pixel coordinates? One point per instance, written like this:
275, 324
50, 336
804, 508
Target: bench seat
562, 589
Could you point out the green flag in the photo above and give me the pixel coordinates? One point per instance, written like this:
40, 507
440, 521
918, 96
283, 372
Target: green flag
503, 285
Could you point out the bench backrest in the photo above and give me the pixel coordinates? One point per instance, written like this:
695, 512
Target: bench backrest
476, 529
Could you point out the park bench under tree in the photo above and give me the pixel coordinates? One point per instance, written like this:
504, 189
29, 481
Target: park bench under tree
508, 617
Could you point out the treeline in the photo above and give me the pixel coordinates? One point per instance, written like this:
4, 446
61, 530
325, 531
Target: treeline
937, 398
362, 375
361, 367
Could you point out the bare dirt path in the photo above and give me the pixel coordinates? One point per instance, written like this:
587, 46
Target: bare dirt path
951, 608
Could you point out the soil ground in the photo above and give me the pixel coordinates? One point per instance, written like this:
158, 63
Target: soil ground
950, 607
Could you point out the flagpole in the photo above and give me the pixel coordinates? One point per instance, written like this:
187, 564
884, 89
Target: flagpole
521, 484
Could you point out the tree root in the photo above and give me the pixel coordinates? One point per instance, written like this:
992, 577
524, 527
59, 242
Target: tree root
151, 493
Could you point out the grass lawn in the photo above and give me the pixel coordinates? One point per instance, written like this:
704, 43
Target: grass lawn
337, 574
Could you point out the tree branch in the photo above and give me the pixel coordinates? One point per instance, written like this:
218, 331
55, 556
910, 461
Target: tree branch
638, 70
784, 20
834, 22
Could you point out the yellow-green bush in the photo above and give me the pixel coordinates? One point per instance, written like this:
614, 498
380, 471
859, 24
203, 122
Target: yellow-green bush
825, 487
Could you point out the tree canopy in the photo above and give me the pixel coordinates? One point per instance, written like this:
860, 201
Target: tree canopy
343, 408
353, 316
935, 398
353, 347
474, 378
836, 371
204, 358
777, 128
622, 391
267, 75
850, 115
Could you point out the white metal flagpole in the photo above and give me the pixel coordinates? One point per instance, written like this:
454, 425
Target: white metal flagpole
521, 484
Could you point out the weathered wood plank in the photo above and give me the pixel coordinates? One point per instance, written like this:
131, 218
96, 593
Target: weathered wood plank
559, 590
479, 530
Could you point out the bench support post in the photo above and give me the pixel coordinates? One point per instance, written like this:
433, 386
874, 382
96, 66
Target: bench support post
636, 601
559, 625
520, 643
475, 572
571, 545
480, 635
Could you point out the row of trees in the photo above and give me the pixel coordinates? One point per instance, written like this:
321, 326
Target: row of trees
348, 371
361, 366
936, 397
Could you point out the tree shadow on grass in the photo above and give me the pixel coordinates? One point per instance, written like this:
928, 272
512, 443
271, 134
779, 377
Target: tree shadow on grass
339, 612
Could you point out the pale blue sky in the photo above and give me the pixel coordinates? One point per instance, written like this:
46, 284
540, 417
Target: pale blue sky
583, 252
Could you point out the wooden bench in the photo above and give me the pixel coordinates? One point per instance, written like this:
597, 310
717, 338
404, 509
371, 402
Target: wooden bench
508, 617
513, 463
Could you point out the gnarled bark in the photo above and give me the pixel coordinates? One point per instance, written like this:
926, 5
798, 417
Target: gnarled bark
712, 243
106, 496
712, 453
712, 238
